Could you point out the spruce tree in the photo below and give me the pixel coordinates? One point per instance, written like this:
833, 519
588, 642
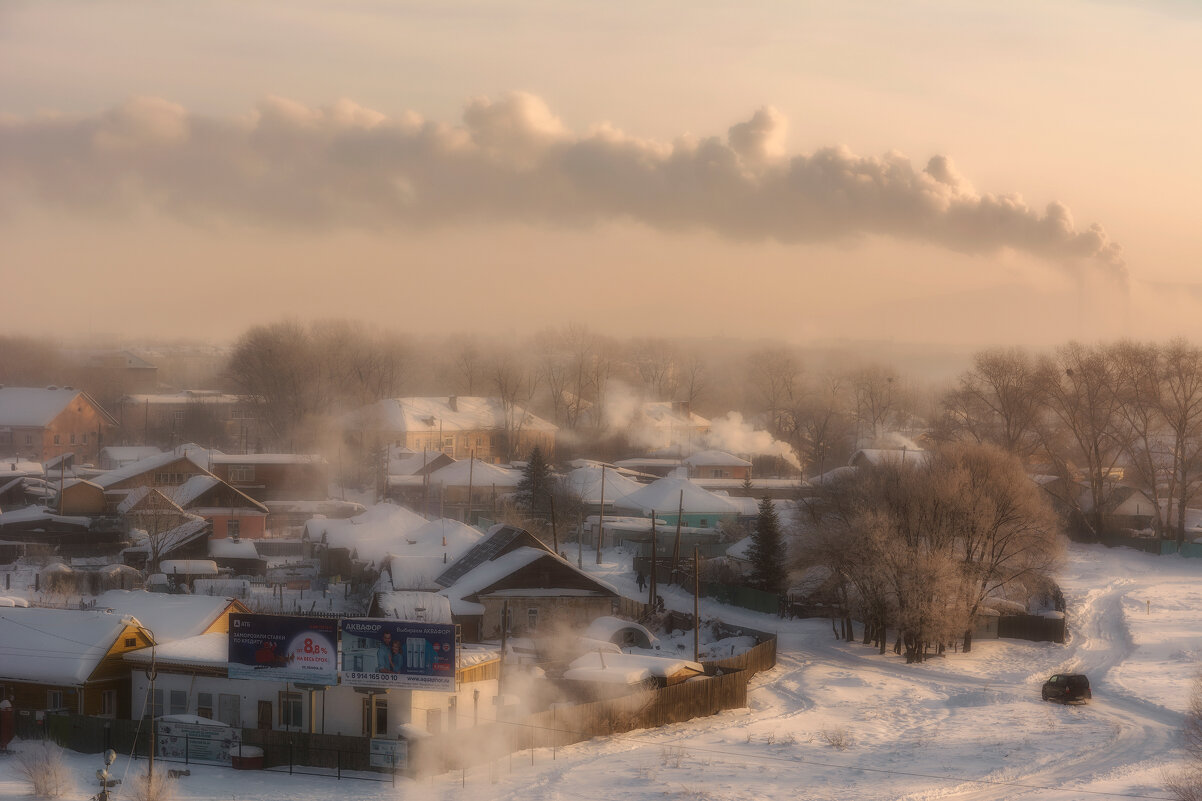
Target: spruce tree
767, 552
535, 488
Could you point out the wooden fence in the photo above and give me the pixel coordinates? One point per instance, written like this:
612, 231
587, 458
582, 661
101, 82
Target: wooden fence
564, 725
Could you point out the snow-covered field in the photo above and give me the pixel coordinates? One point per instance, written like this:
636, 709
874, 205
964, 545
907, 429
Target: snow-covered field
837, 721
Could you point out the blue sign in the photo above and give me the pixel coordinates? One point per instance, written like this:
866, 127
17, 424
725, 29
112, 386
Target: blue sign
398, 653
283, 648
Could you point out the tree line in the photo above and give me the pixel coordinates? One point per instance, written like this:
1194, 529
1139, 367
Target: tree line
1126, 410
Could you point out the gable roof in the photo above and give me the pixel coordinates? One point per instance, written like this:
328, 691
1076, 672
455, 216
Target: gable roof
379, 531
715, 459
56, 646
664, 498
168, 617
135, 469
30, 407
480, 474
585, 483
499, 540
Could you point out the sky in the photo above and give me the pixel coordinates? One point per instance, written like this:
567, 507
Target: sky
930, 172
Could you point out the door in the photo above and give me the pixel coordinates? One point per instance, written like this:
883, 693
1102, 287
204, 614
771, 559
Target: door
264, 714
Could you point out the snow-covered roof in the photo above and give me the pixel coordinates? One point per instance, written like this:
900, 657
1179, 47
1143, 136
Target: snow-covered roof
379, 531
424, 553
55, 646
124, 454
880, 456
492, 571
741, 550
715, 459
117, 475
664, 497
167, 617
603, 667
206, 650
585, 483
444, 414
32, 407
20, 467
413, 464
427, 607
189, 567
190, 490
226, 548
480, 474
30, 513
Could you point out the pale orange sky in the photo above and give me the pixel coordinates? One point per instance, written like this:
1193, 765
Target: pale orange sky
1092, 105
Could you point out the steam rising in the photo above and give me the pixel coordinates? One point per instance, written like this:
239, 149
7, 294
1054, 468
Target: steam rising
509, 160
733, 434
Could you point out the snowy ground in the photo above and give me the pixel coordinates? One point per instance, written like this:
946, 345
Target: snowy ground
837, 721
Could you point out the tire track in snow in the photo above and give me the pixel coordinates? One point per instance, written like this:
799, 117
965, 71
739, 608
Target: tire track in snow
1142, 731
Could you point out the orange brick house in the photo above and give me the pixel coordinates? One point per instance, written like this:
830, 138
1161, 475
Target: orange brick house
40, 424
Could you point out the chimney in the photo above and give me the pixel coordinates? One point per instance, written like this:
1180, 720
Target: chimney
453, 402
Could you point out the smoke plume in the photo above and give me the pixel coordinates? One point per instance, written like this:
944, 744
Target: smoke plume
509, 160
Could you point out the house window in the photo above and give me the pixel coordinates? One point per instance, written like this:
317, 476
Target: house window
108, 703
131, 642
29, 439
290, 710
54, 700
379, 715
702, 523
204, 705
56, 439
177, 419
240, 473
532, 618
179, 702
72, 439
233, 529
85, 439
229, 710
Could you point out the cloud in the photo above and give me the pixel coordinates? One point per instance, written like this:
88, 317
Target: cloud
511, 160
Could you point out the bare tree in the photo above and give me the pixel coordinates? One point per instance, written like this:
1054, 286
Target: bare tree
998, 401
1086, 434
1181, 399
515, 384
877, 395
774, 378
1137, 370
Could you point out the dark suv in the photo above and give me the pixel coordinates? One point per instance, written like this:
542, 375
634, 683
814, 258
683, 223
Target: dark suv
1067, 688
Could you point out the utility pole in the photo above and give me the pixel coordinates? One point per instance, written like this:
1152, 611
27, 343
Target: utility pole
696, 607
554, 529
652, 584
601, 519
471, 466
676, 545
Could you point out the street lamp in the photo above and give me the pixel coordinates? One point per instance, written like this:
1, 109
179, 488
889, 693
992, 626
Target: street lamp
103, 776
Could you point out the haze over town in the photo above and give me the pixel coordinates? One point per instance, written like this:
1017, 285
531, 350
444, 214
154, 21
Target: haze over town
692, 400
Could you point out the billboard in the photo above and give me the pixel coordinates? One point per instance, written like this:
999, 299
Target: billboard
398, 653
284, 648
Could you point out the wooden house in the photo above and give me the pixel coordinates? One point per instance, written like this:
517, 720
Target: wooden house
39, 424
68, 660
